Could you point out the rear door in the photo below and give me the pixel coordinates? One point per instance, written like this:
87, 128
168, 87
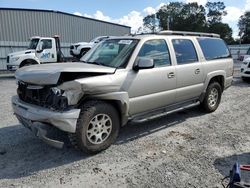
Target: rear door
155, 87
189, 70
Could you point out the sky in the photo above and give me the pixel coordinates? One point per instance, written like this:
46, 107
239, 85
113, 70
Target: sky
125, 12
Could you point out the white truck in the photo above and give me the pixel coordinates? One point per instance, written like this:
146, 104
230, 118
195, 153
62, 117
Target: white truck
245, 70
245, 66
40, 50
79, 49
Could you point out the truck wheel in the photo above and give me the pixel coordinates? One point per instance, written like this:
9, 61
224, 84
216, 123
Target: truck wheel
97, 127
26, 63
83, 52
212, 97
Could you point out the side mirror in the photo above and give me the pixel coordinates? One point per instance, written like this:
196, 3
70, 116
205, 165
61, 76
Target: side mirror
144, 63
39, 48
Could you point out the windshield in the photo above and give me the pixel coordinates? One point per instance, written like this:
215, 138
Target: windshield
111, 52
33, 44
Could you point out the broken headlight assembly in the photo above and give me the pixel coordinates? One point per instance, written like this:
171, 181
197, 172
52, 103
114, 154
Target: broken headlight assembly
56, 100
57, 91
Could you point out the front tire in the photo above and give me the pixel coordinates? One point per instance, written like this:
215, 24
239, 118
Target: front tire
212, 98
27, 63
97, 127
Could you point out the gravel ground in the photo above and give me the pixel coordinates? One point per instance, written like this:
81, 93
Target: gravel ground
186, 149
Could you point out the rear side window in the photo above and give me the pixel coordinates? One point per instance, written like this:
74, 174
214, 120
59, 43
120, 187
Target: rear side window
213, 48
184, 51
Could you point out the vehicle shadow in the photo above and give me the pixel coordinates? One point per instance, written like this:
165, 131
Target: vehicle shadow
22, 154
7, 77
134, 131
238, 82
225, 164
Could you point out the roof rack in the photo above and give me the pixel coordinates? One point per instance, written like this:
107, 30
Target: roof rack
188, 33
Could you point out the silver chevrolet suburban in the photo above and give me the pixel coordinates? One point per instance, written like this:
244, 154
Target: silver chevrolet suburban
130, 78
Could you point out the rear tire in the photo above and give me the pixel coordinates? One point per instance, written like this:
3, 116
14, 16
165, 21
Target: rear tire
212, 97
97, 127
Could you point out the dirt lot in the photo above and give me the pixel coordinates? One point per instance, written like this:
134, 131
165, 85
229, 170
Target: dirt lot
186, 149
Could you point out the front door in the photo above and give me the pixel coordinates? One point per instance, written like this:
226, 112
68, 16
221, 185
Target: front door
152, 88
48, 53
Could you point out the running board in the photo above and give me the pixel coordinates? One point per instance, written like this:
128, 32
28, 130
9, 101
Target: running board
138, 120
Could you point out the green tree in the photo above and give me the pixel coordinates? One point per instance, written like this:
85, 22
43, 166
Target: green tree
244, 27
167, 13
150, 22
223, 30
182, 17
215, 12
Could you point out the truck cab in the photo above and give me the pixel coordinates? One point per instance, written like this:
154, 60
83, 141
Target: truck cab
40, 50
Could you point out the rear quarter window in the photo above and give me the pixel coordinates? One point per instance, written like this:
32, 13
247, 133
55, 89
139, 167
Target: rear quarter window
213, 48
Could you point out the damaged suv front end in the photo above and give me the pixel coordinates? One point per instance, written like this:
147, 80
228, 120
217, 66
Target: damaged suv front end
51, 95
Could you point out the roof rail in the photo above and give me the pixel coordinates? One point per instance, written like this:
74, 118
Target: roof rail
188, 33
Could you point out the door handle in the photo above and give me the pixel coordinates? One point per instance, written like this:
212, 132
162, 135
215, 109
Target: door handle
197, 71
171, 75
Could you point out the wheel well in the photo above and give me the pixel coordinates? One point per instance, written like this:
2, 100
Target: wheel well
27, 61
116, 104
219, 79
84, 50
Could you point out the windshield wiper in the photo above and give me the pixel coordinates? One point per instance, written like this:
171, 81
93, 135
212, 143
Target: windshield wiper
97, 63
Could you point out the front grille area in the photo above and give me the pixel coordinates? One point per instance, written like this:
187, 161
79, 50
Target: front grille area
247, 72
8, 59
248, 65
42, 96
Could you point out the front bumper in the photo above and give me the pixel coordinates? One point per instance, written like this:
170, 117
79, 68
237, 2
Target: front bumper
74, 53
65, 121
41, 130
12, 67
245, 72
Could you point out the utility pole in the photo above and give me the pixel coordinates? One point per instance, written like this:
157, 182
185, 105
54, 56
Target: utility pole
168, 23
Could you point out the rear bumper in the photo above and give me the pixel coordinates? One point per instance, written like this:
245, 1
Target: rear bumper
65, 121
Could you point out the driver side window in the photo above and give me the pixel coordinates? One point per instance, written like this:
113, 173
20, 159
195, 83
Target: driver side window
46, 44
157, 50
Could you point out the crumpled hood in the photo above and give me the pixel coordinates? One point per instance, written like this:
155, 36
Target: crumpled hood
21, 53
49, 74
